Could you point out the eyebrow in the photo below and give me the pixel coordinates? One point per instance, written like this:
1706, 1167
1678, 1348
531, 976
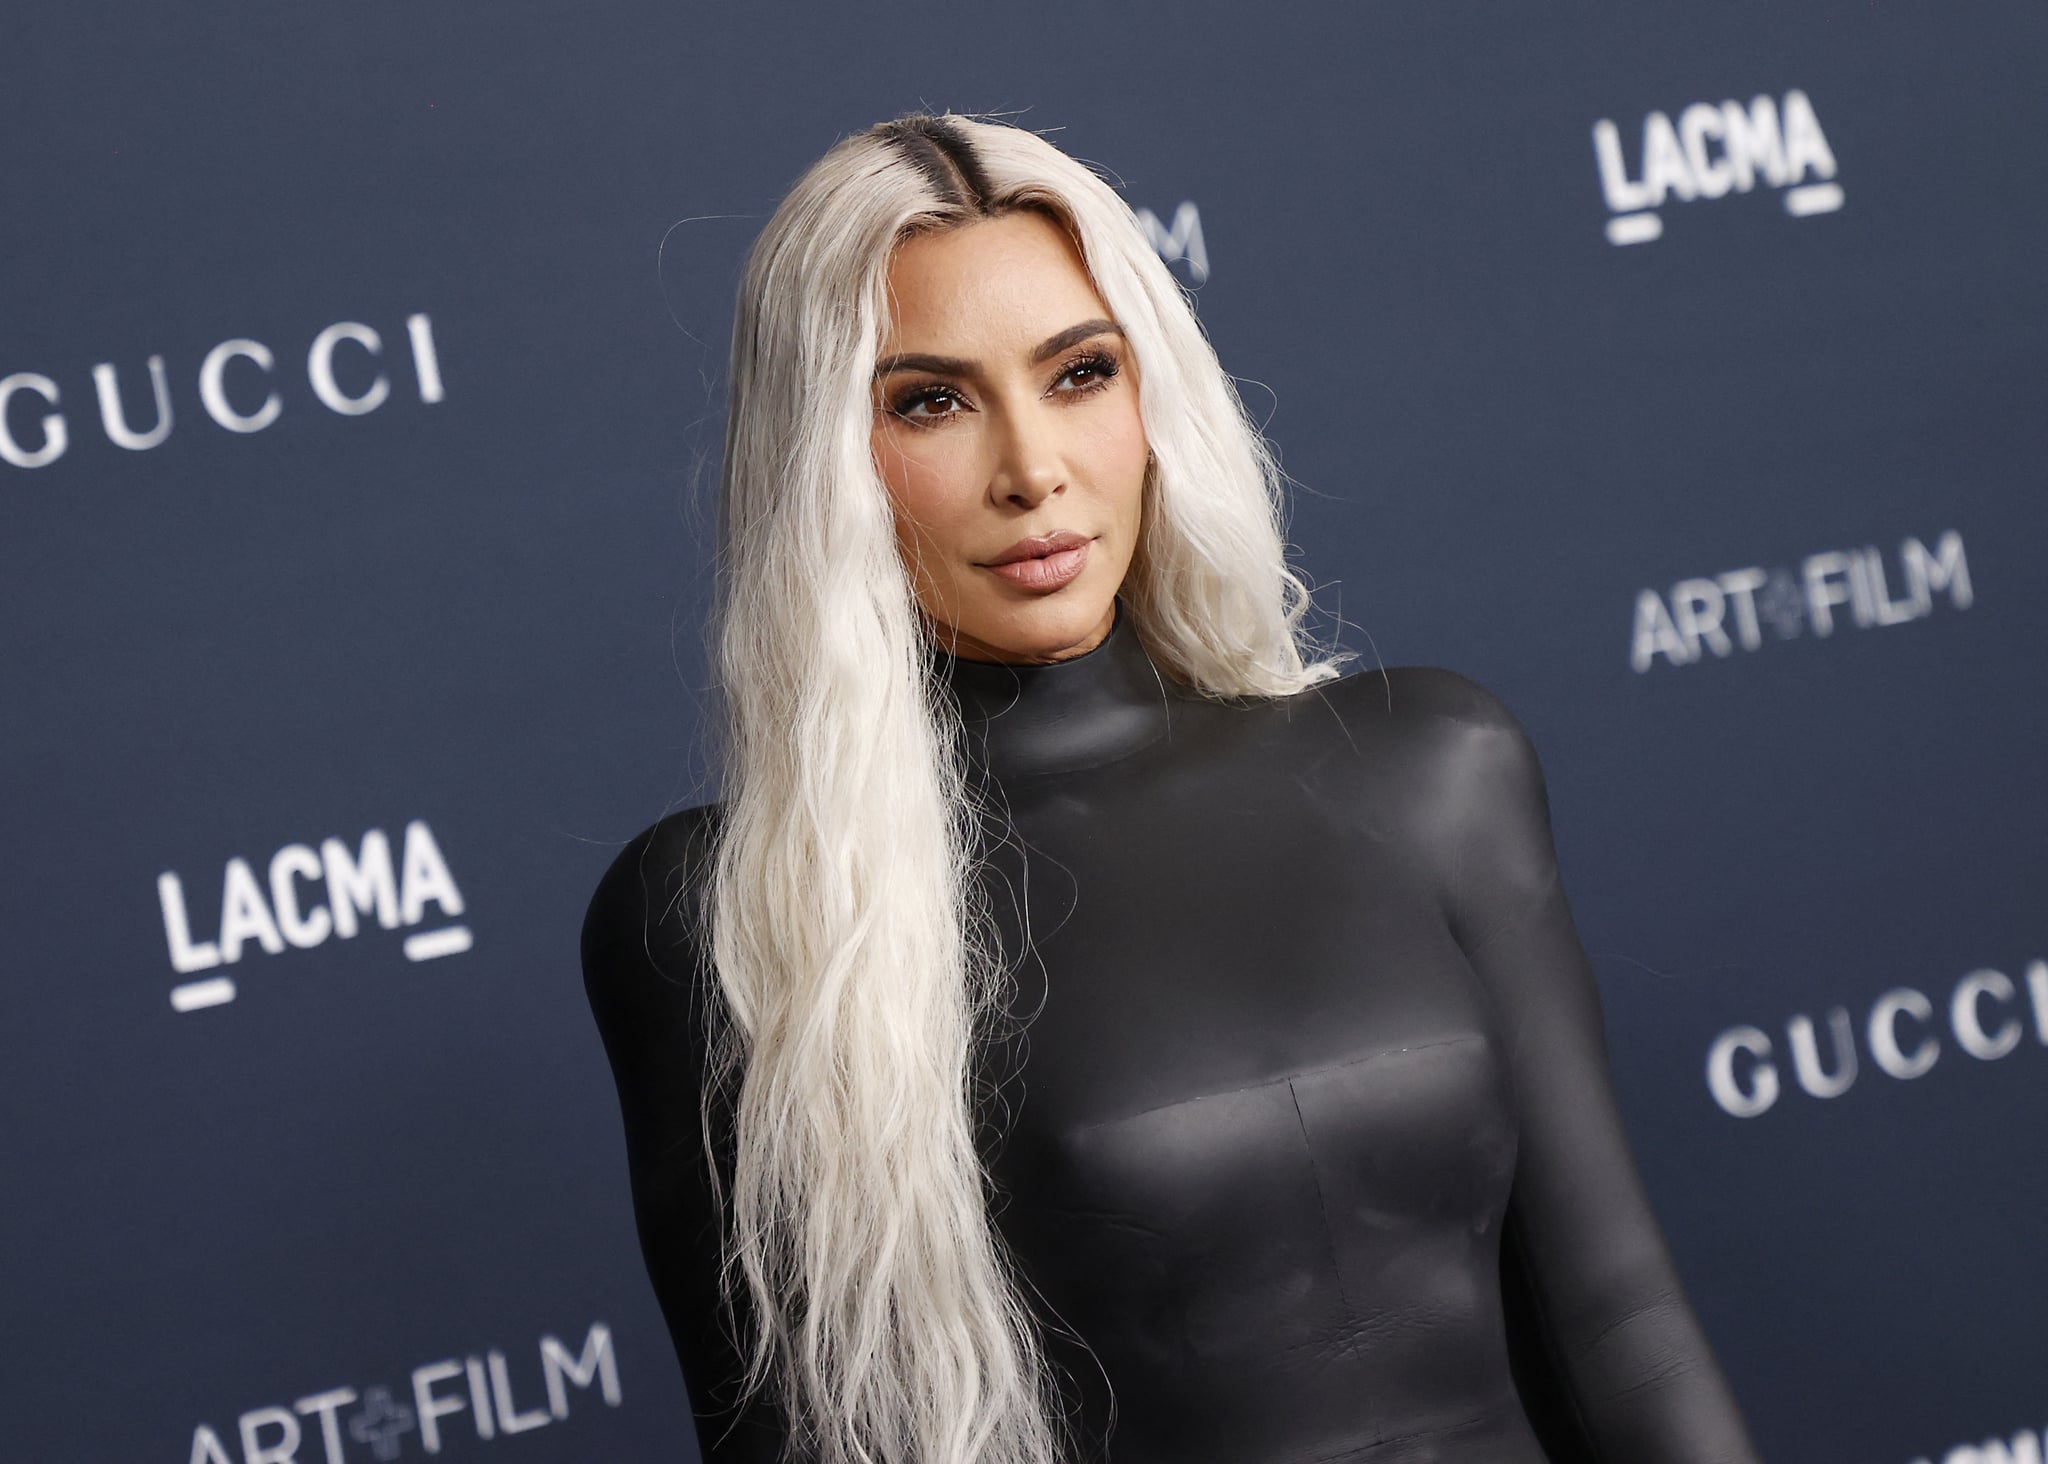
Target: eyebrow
961, 366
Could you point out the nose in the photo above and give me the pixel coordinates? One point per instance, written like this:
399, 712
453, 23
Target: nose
1028, 466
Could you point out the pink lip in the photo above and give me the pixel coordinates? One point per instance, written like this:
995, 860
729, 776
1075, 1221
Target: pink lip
1042, 562
1037, 547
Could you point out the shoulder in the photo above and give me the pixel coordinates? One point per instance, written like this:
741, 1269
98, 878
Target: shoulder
1439, 728
1451, 767
1417, 696
645, 919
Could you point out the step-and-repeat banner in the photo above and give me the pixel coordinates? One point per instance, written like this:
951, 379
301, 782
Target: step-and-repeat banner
1678, 372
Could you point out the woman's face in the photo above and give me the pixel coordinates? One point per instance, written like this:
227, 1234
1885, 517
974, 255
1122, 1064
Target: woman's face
1007, 433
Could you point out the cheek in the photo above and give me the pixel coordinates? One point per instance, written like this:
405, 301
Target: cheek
1121, 449
923, 482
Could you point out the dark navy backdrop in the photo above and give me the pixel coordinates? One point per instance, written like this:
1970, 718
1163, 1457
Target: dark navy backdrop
319, 729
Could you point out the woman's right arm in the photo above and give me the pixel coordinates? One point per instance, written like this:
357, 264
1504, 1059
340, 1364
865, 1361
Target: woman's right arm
645, 973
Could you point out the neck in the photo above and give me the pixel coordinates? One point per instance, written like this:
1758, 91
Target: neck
1022, 720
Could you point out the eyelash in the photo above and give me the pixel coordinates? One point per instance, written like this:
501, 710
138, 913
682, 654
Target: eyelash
1104, 365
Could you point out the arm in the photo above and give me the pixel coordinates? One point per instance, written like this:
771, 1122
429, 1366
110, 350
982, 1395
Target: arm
1597, 1284
643, 970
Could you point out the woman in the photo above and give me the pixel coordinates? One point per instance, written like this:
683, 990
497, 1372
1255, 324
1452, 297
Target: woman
1089, 1028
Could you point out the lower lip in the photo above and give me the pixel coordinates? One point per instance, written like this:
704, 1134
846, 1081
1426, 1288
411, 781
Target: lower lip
1048, 572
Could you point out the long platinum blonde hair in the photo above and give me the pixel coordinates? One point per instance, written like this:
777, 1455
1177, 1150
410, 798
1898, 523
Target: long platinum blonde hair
849, 948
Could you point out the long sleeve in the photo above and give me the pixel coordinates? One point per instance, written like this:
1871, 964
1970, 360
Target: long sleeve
1618, 1335
645, 976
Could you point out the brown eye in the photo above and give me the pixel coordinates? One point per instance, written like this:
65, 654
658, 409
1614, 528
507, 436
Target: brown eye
1089, 373
928, 397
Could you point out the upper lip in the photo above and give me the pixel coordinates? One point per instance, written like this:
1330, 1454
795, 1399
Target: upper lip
1039, 545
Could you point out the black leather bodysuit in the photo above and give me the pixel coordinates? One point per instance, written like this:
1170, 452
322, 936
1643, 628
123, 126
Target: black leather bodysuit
1308, 1132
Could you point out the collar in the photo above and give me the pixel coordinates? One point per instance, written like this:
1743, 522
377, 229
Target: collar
1024, 720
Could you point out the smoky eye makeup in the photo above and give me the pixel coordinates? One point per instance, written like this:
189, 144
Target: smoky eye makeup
902, 402
1101, 364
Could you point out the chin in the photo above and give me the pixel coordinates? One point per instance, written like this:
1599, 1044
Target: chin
1052, 628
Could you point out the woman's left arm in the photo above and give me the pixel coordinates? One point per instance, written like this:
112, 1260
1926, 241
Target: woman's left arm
1605, 1294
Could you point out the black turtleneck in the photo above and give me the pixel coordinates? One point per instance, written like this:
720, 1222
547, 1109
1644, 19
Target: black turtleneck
1066, 717
1301, 1121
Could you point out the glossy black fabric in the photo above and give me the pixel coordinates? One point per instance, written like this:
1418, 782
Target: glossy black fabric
1303, 1123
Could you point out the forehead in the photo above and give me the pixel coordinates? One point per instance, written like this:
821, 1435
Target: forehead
994, 285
